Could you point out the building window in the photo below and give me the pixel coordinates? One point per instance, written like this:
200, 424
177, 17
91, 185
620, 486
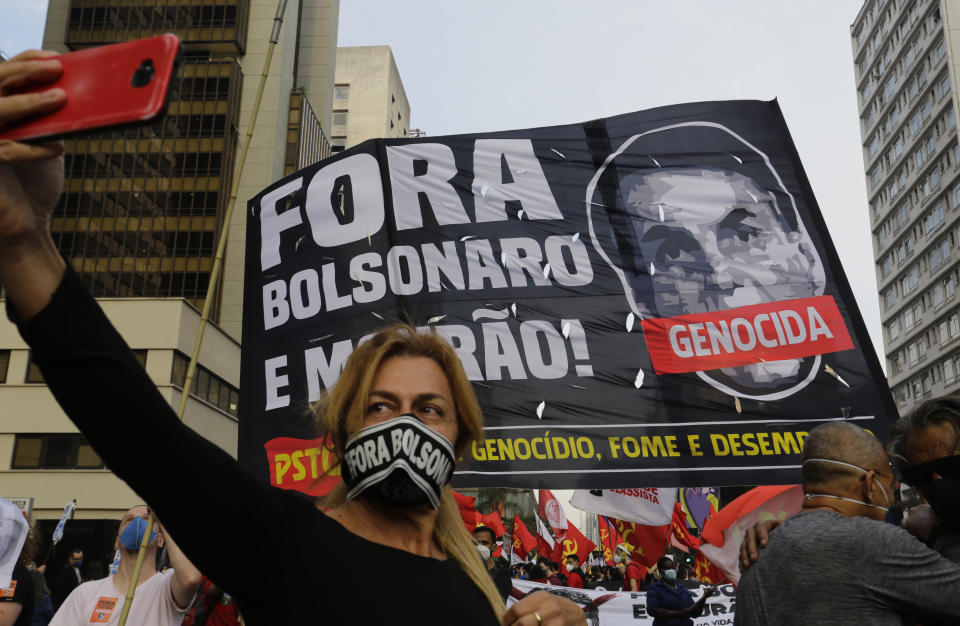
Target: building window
33, 372
68, 451
935, 218
909, 282
339, 118
939, 52
889, 298
943, 87
4, 365
927, 146
338, 144
341, 92
207, 386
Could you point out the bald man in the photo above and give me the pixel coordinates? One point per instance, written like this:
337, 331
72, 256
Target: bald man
837, 561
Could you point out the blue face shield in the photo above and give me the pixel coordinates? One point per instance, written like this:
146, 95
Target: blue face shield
132, 534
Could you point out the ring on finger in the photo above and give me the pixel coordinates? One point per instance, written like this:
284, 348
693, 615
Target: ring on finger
539, 619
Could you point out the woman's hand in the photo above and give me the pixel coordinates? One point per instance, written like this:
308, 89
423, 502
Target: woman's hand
31, 175
31, 178
544, 608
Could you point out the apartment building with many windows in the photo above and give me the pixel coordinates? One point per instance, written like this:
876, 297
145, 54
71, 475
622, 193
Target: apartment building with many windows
905, 57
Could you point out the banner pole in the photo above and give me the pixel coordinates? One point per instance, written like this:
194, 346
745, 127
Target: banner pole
214, 277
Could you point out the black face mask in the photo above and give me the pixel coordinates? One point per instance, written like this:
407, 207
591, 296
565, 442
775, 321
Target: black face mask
400, 462
943, 494
944, 497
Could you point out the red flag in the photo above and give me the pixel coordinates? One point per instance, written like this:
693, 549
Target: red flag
679, 533
720, 539
551, 511
464, 502
610, 538
705, 571
576, 543
493, 522
523, 541
499, 551
646, 543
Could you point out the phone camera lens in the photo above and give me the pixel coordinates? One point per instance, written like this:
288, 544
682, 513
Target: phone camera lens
144, 74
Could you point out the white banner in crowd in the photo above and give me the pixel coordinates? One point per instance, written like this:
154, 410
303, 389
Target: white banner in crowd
631, 607
651, 506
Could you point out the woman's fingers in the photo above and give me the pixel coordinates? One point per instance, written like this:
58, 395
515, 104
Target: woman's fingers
29, 67
544, 609
16, 152
13, 108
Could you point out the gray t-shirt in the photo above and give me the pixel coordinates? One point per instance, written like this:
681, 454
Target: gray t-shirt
821, 567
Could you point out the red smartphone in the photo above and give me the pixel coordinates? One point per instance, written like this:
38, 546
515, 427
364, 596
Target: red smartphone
107, 86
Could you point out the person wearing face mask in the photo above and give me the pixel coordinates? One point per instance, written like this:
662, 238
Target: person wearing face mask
926, 444
631, 572
574, 573
486, 541
671, 604
927, 441
804, 574
69, 577
401, 414
160, 599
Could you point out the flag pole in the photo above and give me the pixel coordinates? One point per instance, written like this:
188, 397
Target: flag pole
211, 286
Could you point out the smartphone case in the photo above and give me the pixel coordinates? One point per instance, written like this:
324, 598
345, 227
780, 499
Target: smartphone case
107, 86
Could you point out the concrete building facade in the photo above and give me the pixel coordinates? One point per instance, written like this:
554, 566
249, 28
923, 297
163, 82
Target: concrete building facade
906, 54
139, 220
369, 101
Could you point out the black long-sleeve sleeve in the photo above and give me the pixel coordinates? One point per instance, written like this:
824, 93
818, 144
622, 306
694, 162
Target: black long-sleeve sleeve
187, 480
282, 559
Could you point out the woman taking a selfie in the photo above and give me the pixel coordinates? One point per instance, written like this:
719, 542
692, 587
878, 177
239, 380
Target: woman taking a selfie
272, 550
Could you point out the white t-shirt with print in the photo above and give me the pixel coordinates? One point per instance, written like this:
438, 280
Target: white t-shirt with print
100, 602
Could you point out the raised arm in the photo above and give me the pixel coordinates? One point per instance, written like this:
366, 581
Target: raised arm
186, 577
97, 380
31, 177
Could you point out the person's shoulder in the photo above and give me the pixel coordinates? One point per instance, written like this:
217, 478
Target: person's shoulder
876, 533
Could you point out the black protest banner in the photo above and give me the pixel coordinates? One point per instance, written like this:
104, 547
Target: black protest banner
648, 299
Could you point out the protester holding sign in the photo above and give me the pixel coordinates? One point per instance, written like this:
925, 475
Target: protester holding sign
403, 399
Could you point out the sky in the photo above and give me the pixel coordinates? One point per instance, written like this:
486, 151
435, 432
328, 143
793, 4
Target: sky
498, 65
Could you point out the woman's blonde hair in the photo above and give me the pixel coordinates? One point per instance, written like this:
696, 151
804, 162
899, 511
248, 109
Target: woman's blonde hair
341, 412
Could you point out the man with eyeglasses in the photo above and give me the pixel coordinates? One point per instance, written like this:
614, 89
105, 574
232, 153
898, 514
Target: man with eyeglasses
837, 561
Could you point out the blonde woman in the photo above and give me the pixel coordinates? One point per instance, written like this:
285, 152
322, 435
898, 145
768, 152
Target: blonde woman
279, 554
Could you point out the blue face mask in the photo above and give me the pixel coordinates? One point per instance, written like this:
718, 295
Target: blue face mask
132, 535
670, 575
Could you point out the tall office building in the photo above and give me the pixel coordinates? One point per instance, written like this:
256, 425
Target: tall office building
369, 101
139, 220
906, 60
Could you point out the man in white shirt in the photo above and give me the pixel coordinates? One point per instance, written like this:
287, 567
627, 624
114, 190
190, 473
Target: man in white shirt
160, 599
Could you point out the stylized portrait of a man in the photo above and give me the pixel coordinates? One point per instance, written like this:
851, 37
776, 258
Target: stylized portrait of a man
705, 233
